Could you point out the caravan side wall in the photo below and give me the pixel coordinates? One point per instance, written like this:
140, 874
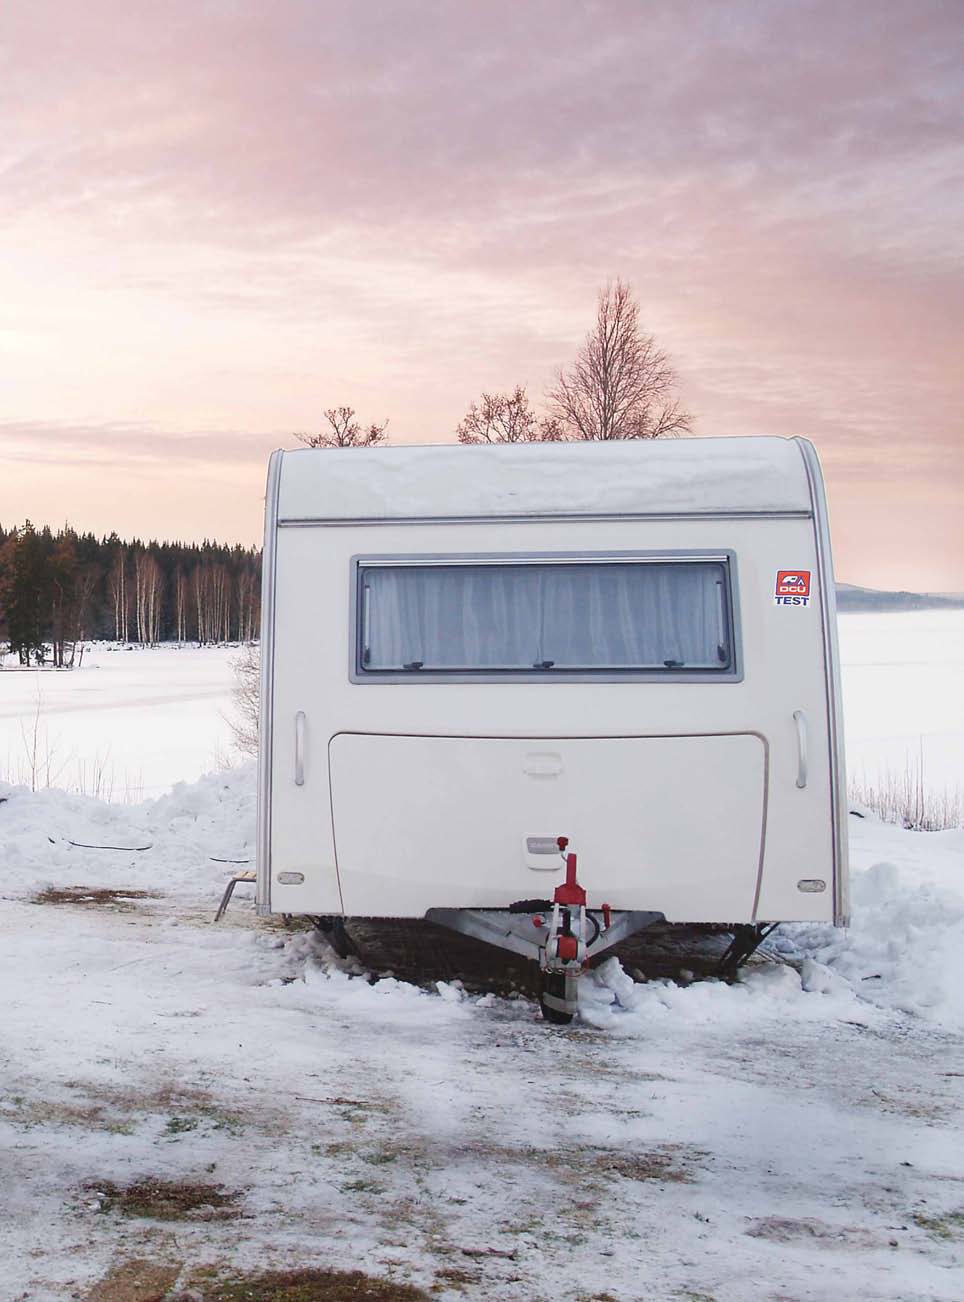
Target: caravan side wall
713, 799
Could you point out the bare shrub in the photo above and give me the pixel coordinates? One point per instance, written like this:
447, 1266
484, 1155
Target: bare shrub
40, 765
506, 418
903, 797
246, 695
344, 431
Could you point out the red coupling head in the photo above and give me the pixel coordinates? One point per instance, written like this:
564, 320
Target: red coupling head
562, 842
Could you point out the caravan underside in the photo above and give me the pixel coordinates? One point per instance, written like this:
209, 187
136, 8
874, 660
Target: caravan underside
506, 952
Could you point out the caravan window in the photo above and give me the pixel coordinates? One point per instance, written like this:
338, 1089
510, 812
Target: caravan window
492, 617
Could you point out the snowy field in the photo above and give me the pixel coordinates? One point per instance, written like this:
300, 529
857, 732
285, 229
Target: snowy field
903, 689
127, 724
141, 719
795, 1136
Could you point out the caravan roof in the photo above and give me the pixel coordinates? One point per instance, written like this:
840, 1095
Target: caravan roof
737, 476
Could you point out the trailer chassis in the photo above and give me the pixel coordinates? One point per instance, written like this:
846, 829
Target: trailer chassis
563, 936
553, 933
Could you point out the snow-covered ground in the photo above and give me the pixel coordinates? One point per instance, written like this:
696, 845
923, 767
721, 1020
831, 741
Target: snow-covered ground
794, 1136
145, 718
788, 1137
141, 719
903, 690
127, 724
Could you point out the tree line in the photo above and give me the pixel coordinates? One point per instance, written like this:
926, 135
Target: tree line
620, 385
58, 590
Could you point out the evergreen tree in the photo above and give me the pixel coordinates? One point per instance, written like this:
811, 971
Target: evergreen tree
27, 589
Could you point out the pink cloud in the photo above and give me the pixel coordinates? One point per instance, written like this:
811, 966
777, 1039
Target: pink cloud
225, 216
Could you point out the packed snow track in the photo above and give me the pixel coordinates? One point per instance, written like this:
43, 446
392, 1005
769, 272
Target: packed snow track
792, 1136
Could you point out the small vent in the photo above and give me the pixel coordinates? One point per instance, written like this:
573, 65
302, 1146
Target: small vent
291, 879
811, 885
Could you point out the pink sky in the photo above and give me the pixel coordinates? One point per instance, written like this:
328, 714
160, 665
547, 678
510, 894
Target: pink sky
219, 217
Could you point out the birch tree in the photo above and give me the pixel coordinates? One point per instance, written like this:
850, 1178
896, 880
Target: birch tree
622, 384
117, 584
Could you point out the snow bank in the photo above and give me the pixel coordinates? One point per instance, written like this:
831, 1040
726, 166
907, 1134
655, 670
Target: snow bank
47, 838
904, 950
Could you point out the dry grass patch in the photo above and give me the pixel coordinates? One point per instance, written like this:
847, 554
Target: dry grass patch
95, 897
785, 1229
452, 1276
167, 1200
185, 1108
663, 1164
948, 1226
135, 1281
94, 1106
304, 1286
29, 1112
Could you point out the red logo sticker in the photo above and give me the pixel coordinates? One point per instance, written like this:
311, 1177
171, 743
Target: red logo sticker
793, 583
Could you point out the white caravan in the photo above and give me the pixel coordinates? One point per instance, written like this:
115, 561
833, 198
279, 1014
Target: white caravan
480, 661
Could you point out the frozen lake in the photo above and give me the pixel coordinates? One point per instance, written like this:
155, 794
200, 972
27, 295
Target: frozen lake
142, 717
146, 718
903, 689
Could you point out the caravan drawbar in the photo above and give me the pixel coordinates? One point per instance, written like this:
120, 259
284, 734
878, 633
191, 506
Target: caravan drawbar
479, 663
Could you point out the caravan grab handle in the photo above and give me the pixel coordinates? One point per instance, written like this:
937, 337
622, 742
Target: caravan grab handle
800, 719
300, 749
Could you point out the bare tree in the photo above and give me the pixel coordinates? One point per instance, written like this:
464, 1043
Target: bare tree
148, 583
246, 693
64, 604
621, 384
506, 418
220, 594
118, 592
344, 431
140, 590
87, 580
247, 594
155, 588
180, 603
200, 589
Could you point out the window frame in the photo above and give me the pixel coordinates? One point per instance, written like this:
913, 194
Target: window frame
731, 673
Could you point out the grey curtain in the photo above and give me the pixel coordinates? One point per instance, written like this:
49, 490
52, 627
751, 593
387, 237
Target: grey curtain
627, 615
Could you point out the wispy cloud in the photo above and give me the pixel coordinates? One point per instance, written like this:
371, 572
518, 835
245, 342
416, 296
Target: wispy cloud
226, 215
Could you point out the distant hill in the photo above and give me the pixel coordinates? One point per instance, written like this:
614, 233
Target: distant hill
851, 598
